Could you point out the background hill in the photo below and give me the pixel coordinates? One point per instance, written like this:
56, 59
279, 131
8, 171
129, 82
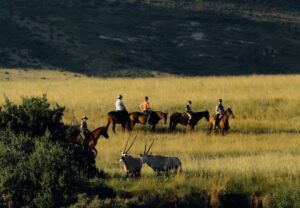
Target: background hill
143, 38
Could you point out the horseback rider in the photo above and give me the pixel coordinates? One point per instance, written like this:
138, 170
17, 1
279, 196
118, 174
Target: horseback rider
219, 113
120, 107
145, 108
84, 132
188, 111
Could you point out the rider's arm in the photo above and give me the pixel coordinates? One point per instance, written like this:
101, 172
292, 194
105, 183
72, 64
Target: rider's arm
217, 109
141, 106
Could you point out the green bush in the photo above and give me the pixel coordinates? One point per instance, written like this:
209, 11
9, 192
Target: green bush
38, 167
42, 173
33, 117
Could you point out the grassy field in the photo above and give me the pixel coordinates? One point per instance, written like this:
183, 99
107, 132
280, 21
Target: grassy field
260, 155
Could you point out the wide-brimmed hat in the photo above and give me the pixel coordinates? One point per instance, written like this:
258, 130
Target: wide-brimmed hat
84, 118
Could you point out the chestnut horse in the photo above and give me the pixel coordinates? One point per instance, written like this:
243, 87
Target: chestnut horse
118, 117
223, 124
94, 136
156, 116
180, 118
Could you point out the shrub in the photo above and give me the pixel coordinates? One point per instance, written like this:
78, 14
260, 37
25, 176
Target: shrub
38, 168
41, 173
33, 117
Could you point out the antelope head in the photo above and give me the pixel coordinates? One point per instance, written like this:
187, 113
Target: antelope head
145, 155
125, 151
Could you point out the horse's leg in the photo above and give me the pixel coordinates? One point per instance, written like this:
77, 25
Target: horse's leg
132, 124
123, 127
153, 127
210, 127
114, 126
170, 125
174, 125
108, 123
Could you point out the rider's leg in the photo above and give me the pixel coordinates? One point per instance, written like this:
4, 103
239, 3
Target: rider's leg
190, 117
216, 121
148, 117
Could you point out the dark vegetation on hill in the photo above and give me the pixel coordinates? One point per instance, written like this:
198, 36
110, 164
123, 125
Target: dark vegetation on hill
137, 37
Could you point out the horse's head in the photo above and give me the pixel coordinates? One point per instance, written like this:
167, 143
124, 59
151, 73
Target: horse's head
230, 112
206, 115
104, 133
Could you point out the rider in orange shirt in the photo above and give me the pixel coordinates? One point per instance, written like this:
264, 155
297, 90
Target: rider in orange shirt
145, 108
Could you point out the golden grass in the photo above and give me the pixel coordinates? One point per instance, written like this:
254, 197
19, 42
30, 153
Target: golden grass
264, 139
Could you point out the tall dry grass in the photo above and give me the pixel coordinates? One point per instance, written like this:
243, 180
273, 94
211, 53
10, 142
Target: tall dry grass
264, 143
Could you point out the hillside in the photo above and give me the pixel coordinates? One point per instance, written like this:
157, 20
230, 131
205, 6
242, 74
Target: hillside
142, 38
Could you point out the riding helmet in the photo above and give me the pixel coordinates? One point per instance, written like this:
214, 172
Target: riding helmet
220, 100
146, 98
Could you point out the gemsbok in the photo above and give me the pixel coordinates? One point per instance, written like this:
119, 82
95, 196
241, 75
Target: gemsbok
161, 163
132, 165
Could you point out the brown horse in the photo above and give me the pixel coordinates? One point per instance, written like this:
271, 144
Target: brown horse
156, 116
180, 118
223, 124
118, 117
93, 138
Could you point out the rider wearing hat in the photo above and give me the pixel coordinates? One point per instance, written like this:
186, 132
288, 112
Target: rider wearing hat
84, 132
145, 108
219, 113
120, 105
188, 111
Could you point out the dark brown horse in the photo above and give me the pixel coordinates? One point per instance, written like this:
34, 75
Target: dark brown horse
93, 138
156, 116
118, 117
180, 118
223, 124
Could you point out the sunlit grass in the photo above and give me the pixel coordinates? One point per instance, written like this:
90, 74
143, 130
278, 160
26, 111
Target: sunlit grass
262, 150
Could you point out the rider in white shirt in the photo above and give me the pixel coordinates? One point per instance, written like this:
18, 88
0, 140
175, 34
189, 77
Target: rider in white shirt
120, 105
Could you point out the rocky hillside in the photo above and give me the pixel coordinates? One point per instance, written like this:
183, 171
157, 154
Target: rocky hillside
148, 37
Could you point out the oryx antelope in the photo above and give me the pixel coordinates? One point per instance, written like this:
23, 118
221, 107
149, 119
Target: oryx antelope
160, 163
132, 165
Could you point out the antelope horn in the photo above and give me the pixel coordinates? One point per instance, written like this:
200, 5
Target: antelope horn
126, 143
131, 145
150, 146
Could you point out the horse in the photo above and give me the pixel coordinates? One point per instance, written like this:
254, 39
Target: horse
156, 116
93, 138
118, 117
179, 118
223, 124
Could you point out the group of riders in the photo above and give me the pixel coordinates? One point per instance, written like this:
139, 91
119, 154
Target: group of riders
145, 109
